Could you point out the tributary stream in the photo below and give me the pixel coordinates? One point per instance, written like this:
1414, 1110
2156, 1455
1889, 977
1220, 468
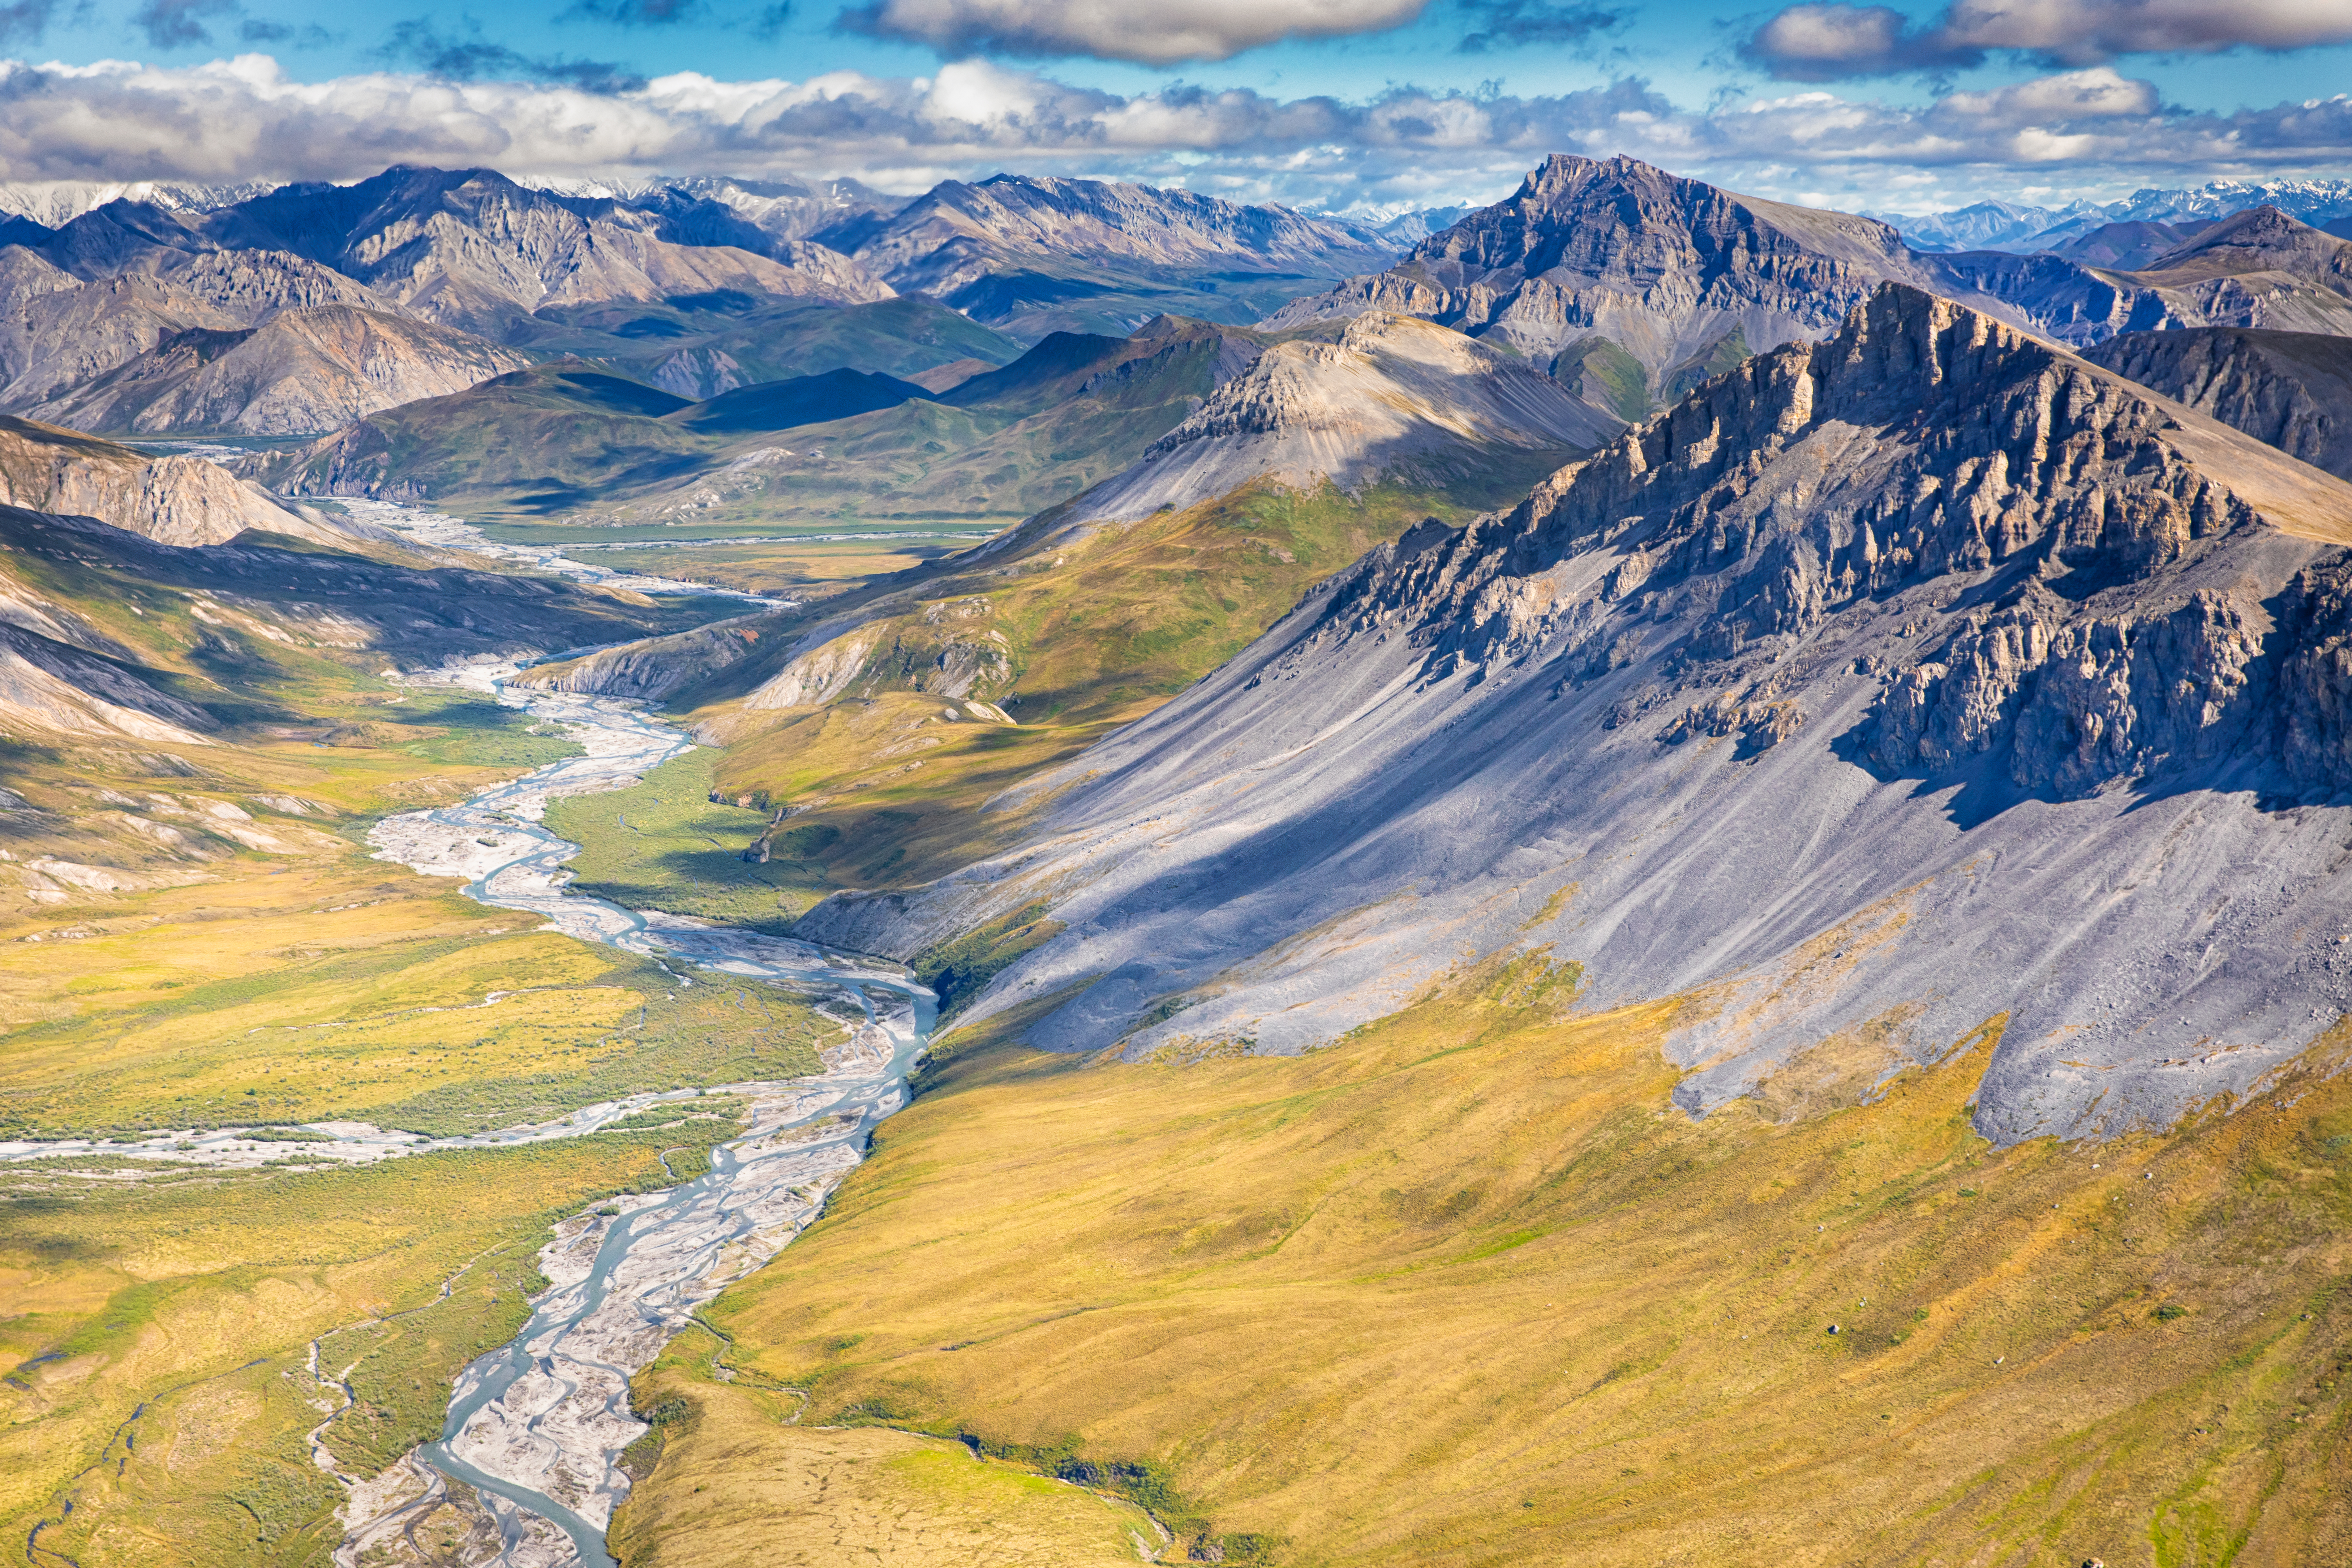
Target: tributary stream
535, 1429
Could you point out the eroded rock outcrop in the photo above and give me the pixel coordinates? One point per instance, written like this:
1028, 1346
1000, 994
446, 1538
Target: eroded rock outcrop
1920, 679
172, 500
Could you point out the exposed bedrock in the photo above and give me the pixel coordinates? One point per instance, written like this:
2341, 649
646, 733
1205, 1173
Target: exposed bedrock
1884, 687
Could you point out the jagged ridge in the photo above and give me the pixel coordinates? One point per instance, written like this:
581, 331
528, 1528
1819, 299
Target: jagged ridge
1883, 687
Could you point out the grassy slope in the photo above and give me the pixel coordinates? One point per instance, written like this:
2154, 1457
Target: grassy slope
290, 978
743, 1484
665, 845
1466, 1289
885, 784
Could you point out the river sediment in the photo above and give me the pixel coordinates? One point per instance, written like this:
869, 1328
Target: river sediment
526, 1471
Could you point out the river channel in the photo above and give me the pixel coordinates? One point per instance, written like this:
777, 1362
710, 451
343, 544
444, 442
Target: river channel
535, 1429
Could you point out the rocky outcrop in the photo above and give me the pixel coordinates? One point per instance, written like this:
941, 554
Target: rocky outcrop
1920, 678
302, 372
1392, 397
172, 500
2292, 390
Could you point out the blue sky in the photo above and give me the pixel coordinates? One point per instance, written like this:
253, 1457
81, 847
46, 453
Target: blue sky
1369, 104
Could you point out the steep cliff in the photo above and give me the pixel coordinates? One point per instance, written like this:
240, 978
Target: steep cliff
1918, 677
302, 371
2292, 390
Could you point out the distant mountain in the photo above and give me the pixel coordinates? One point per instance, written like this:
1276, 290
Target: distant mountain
2006, 225
54, 202
2257, 268
1032, 255
2124, 247
1816, 703
1984, 226
1625, 282
546, 436
2292, 390
799, 400
692, 282
472, 248
699, 346
302, 371
1410, 229
1393, 397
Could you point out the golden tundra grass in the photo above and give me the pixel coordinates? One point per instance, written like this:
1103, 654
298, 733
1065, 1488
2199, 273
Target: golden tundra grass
1465, 1288
889, 785
154, 1325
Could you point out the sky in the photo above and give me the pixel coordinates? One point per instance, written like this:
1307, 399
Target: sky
1366, 106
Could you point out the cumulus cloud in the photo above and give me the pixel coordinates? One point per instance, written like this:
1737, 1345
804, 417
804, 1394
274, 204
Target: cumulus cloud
1829, 43
1834, 40
245, 119
1162, 33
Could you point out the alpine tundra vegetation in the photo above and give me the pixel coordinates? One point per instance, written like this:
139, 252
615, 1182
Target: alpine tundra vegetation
1058, 812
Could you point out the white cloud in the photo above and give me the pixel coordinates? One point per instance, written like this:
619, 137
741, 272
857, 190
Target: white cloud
2090, 30
1827, 40
1162, 33
2088, 130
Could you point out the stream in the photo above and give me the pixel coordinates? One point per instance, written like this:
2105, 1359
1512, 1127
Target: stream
535, 1429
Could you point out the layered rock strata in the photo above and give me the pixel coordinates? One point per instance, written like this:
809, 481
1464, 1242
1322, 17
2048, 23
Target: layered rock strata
1917, 682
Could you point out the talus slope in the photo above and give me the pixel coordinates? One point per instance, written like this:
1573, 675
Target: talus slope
1883, 686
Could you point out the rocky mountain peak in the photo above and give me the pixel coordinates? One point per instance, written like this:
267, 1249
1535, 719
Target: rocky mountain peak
1874, 690
2261, 238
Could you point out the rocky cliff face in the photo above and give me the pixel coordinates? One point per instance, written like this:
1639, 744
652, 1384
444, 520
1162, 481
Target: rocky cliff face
1888, 685
172, 500
2292, 390
304, 371
1394, 395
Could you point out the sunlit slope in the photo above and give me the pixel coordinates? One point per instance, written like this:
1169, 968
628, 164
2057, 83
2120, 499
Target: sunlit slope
1885, 684
270, 980
1468, 1289
884, 744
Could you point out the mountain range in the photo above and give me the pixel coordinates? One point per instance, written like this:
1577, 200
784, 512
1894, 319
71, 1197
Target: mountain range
1806, 700
2012, 225
1632, 823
